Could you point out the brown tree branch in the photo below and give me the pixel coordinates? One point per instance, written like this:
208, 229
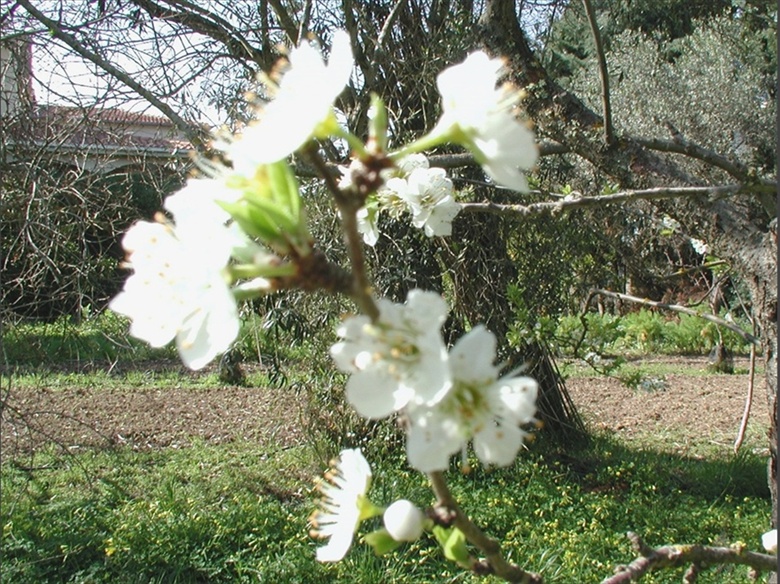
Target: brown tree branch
569, 202
348, 208
609, 136
680, 145
672, 556
496, 563
288, 24
200, 20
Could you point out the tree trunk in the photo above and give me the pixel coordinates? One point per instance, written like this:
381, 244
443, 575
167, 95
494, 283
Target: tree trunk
739, 230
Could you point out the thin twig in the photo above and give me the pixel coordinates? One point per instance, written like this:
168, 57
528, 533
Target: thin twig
380, 40
679, 555
603, 72
677, 308
748, 398
570, 202
348, 208
490, 547
193, 133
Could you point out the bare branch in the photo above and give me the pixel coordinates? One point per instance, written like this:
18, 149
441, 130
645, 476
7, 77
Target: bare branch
348, 208
288, 24
748, 398
569, 202
679, 555
380, 41
680, 145
609, 136
678, 308
195, 134
211, 25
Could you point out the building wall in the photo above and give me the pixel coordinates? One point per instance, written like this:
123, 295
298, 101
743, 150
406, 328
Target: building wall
16, 94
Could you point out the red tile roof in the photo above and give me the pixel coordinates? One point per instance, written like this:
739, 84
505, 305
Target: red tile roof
105, 115
108, 129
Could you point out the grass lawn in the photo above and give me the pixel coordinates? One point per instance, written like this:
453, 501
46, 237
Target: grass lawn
238, 513
200, 510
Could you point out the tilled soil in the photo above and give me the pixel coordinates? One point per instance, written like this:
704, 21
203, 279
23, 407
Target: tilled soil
77, 418
688, 409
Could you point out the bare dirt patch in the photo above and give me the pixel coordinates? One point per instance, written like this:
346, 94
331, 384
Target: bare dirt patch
690, 410
700, 409
143, 419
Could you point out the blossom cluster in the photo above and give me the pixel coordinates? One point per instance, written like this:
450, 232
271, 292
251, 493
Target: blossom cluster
233, 227
426, 193
399, 363
239, 229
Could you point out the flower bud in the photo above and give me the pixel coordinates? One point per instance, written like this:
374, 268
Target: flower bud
404, 521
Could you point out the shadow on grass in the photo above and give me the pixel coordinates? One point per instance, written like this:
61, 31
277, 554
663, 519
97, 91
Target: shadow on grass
233, 513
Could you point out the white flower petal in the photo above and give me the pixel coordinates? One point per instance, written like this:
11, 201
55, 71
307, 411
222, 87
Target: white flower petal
471, 359
199, 198
481, 117
376, 395
398, 360
498, 444
337, 547
207, 333
177, 289
518, 396
409, 163
339, 514
431, 440
367, 225
303, 101
477, 406
769, 541
428, 310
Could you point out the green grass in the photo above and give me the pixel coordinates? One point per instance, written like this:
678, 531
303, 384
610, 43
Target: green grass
230, 513
170, 376
101, 338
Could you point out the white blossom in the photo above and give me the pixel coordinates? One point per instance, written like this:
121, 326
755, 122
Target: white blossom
367, 224
480, 116
302, 107
404, 521
339, 514
699, 246
412, 162
479, 406
178, 290
430, 197
196, 202
769, 541
397, 360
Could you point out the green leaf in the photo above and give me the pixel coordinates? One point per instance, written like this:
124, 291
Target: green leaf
269, 211
254, 223
284, 188
381, 541
453, 542
377, 129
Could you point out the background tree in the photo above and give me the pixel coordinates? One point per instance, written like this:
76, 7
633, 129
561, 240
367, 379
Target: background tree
709, 168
